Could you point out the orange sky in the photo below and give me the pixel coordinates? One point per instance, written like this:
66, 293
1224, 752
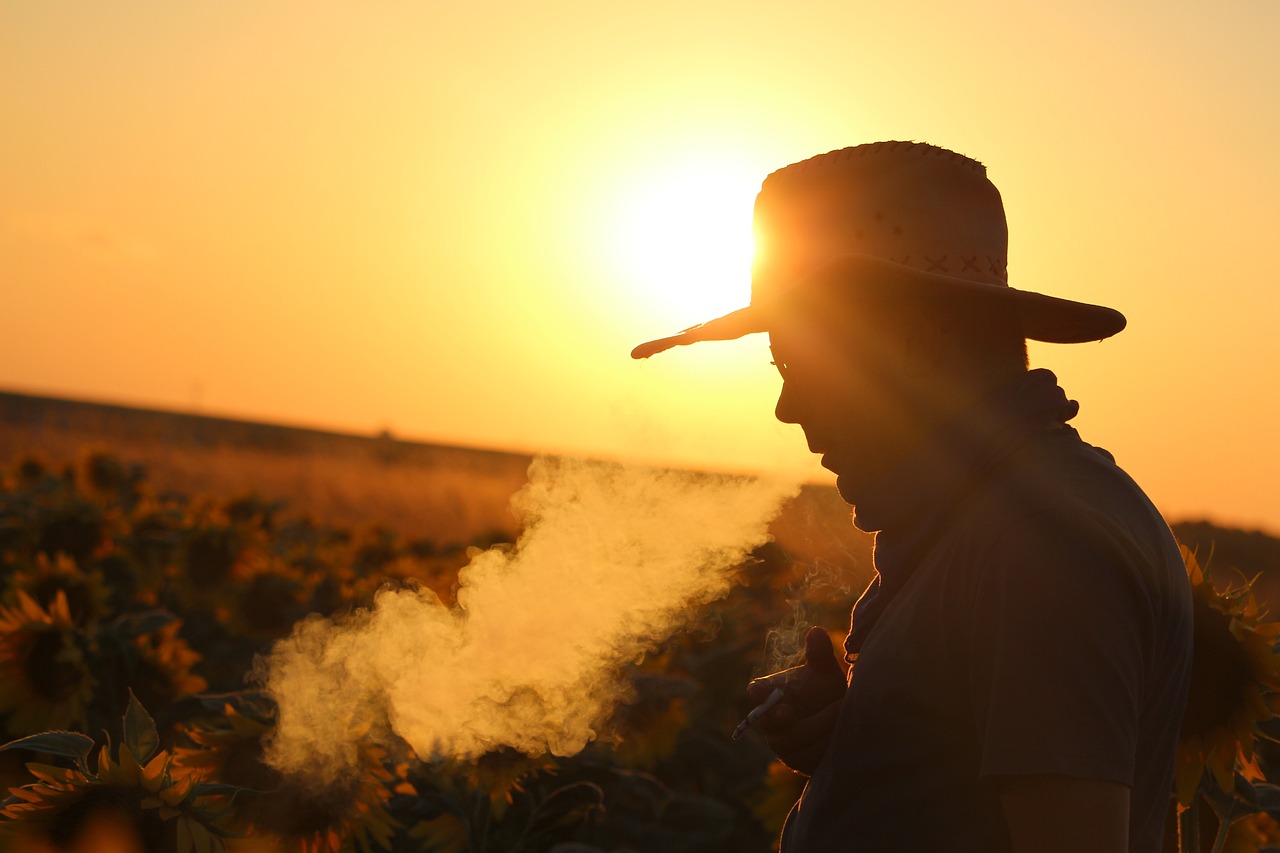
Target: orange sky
454, 219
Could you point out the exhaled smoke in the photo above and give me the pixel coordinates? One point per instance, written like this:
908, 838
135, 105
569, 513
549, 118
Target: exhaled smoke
610, 561
784, 645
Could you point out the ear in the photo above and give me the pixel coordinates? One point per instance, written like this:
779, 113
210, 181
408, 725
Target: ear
928, 341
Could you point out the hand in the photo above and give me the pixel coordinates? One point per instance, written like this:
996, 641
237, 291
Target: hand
797, 728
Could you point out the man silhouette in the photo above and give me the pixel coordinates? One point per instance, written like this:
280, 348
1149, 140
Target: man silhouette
1020, 663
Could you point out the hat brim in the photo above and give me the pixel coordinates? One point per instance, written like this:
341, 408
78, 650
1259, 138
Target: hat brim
1043, 318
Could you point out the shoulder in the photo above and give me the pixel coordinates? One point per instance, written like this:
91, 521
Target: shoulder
1058, 492
1059, 522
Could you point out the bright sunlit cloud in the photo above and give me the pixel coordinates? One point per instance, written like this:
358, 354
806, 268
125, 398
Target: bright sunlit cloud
682, 239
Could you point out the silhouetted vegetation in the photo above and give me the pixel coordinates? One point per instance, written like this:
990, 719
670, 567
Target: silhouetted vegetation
130, 616
123, 604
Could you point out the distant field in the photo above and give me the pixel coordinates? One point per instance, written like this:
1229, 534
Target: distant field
421, 491
450, 495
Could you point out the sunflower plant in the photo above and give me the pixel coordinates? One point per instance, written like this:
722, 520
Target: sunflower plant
45, 674
137, 785
1233, 703
293, 812
110, 591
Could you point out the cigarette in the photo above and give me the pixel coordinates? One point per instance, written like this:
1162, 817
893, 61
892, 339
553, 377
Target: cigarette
757, 712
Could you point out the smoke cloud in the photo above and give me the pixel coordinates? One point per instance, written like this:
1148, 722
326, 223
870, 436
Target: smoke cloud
610, 562
784, 644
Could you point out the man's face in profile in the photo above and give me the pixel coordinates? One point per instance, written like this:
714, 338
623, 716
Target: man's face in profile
844, 387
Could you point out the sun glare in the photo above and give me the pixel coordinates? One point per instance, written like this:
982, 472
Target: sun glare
683, 239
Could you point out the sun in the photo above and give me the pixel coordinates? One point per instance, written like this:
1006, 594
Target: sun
682, 239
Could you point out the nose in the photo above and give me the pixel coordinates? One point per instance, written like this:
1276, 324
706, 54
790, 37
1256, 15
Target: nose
787, 409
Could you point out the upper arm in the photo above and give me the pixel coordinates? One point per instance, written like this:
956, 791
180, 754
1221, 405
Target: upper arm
1058, 669
1061, 814
1057, 656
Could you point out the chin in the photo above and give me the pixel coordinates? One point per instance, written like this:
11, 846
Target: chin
848, 489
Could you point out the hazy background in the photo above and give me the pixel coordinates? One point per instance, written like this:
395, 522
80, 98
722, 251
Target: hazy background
453, 220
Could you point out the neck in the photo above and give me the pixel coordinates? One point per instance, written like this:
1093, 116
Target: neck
922, 412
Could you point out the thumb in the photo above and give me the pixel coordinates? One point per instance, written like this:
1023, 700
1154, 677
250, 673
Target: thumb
819, 651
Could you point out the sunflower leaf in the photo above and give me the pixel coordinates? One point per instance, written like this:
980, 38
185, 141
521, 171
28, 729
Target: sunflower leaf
140, 733
71, 745
565, 807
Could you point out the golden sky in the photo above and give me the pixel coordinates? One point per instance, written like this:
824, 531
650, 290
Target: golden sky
453, 220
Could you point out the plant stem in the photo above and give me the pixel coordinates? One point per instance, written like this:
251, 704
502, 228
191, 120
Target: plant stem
1189, 827
1224, 829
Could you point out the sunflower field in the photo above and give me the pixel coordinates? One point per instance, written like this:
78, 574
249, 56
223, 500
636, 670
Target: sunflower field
130, 620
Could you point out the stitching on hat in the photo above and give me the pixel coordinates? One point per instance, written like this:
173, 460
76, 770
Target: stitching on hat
970, 264
936, 265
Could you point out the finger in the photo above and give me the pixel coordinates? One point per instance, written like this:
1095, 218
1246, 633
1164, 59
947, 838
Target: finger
779, 718
802, 745
819, 651
786, 731
758, 689
818, 647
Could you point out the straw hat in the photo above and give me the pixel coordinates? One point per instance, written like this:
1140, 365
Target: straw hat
889, 214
